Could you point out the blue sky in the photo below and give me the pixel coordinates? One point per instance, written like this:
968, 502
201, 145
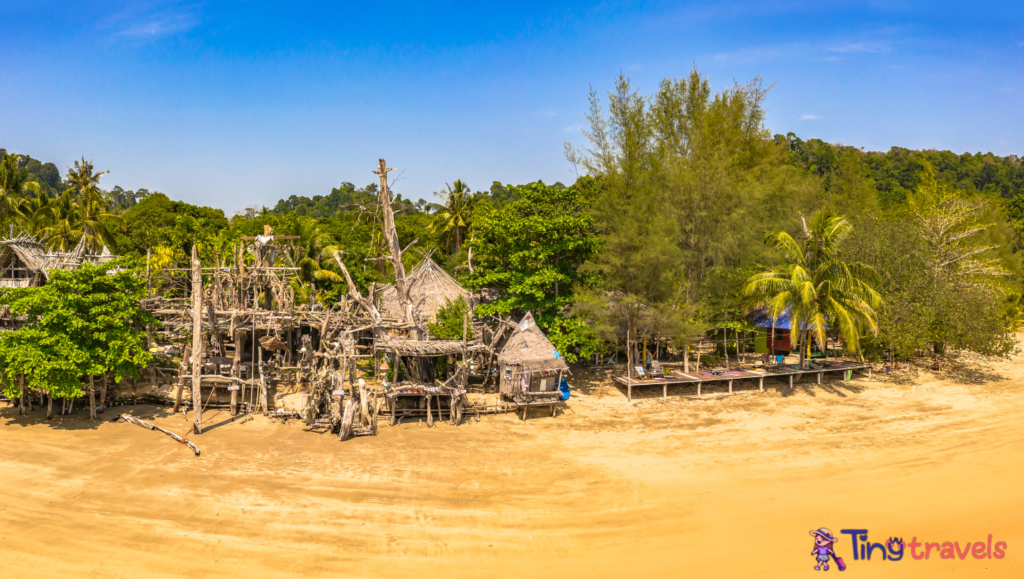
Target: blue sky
234, 103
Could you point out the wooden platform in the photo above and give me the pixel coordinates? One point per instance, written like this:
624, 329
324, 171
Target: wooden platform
677, 377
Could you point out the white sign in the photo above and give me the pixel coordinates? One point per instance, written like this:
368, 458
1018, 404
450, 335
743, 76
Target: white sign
234, 388
527, 322
338, 393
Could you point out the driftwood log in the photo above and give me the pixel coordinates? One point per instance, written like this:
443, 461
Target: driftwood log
149, 426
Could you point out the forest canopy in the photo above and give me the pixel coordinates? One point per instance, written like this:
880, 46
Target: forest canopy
677, 191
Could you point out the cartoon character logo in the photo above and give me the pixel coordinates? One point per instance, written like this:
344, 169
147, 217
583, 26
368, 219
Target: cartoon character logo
823, 541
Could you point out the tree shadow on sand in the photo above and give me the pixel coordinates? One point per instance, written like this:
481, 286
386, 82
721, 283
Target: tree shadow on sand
79, 419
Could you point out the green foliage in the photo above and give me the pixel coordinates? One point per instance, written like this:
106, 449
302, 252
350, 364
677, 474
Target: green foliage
894, 173
449, 321
453, 217
942, 273
815, 287
83, 322
531, 251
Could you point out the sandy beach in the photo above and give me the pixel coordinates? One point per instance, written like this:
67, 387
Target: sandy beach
725, 486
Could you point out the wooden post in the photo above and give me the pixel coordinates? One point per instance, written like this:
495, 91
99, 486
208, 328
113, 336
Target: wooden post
665, 393
263, 384
236, 368
629, 390
762, 383
698, 389
819, 378
197, 341
103, 394
182, 368
686, 358
790, 380
730, 386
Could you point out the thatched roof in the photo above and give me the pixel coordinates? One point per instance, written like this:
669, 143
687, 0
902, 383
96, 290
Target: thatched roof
34, 256
531, 350
430, 289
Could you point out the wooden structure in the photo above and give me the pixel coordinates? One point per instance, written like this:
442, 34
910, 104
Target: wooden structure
26, 262
530, 369
729, 376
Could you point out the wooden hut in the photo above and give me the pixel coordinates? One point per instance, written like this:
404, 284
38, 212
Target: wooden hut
531, 368
430, 289
26, 262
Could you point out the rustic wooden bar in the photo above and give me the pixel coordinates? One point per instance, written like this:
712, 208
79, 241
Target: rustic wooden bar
681, 378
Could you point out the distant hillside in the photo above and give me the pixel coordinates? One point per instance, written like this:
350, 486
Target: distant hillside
899, 170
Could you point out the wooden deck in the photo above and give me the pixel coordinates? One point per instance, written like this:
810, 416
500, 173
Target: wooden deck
677, 377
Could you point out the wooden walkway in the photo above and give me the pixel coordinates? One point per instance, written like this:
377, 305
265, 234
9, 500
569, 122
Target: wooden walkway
677, 377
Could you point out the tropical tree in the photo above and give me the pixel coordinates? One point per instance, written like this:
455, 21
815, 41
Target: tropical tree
93, 203
452, 217
313, 247
14, 181
62, 229
814, 287
36, 214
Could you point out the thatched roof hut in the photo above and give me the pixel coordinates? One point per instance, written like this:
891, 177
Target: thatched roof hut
529, 363
430, 289
26, 262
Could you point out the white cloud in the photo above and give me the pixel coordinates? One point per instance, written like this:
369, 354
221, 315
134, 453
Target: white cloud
866, 47
809, 118
573, 129
144, 20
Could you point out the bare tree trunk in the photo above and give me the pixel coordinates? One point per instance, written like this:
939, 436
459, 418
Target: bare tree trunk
197, 341
803, 349
725, 346
92, 398
686, 357
629, 350
103, 394
49, 406
395, 250
22, 403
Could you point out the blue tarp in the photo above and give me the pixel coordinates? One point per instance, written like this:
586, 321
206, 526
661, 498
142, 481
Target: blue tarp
563, 390
761, 319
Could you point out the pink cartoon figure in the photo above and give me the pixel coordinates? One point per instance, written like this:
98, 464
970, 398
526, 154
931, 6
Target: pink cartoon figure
823, 540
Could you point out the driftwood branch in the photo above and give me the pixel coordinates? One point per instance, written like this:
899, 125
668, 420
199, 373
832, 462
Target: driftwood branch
149, 426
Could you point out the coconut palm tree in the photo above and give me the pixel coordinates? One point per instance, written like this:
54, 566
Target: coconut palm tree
312, 248
453, 216
36, 214
13, 185
93, 202
62, 230
814, 287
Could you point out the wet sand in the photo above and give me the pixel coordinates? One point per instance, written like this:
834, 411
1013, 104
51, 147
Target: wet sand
717, 487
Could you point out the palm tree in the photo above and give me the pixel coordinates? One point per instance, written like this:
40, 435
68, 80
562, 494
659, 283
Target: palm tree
313, 247
92, 201
37, 213
454, 215
13, 184
63, 227
814, 287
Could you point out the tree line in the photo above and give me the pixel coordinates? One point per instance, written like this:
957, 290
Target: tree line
687, 213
